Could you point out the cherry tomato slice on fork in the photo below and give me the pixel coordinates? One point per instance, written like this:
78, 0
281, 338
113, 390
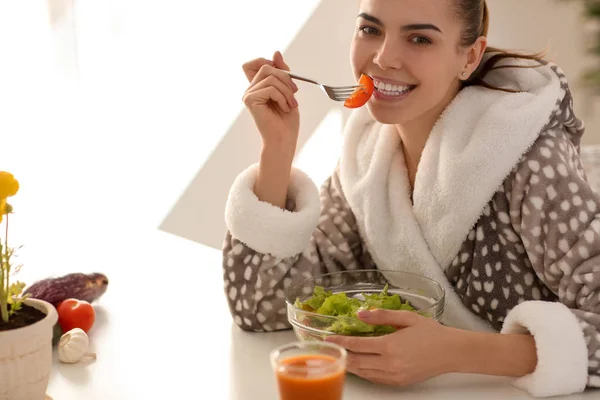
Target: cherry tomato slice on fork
361, 95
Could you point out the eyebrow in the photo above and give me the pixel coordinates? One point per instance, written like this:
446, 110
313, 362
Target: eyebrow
410, 27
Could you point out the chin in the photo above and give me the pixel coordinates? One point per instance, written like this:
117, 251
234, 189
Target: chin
386, 116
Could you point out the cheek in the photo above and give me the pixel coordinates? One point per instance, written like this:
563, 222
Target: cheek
436, 74
360, 57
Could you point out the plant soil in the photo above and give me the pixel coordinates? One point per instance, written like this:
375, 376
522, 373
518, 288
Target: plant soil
26, 316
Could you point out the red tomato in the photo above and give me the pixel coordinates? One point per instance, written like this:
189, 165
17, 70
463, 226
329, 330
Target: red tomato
361, 95
73, 313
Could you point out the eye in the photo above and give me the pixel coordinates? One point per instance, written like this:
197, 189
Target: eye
368, 30
420, 40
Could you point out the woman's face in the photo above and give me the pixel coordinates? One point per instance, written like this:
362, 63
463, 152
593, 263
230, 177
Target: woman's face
411, 50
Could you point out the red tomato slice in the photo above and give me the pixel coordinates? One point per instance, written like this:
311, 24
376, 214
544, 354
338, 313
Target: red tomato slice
73, 313
361, 95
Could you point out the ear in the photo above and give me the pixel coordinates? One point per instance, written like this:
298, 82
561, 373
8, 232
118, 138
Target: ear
474, 55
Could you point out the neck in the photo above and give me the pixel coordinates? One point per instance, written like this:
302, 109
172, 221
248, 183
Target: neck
414, 134
413, 140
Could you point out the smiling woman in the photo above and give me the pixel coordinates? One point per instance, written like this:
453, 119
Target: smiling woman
463, 167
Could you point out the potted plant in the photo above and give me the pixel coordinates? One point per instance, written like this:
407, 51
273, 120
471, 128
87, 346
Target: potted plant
26, 324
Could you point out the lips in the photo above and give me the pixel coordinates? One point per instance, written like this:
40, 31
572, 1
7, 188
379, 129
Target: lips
391, 88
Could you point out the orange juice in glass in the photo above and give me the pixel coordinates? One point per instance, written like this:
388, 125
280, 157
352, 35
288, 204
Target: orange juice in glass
310, 370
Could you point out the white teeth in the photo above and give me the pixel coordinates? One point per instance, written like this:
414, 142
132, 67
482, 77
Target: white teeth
398, 92
391, 89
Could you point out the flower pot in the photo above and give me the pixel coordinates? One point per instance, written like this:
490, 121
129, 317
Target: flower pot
26, 356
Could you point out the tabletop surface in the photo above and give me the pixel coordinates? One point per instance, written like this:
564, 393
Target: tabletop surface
163, 329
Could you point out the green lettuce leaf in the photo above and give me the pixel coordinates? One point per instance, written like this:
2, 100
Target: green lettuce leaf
318, 298
340, 305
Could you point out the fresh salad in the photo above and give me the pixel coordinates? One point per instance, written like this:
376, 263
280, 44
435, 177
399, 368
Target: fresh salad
340, 305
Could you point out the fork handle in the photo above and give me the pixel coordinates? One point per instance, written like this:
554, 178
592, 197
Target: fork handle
294, 76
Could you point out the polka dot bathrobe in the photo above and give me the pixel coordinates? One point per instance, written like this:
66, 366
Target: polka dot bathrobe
501, 215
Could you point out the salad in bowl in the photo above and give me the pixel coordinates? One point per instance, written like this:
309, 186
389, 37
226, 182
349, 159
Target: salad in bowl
328, 304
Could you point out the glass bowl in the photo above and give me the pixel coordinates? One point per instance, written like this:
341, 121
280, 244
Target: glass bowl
425, 295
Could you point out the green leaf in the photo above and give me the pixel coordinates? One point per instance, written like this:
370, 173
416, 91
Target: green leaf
340, 305
319, 296
14, 298
14, 307
15, 290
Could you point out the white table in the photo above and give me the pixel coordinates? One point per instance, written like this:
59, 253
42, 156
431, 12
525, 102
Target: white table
198, 350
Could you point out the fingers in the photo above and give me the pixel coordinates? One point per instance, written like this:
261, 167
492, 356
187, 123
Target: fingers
398, 319
264, 95
268, 70
357, 361
279, 63
269, 83
374, 368
251, 68
273, 81
364, 345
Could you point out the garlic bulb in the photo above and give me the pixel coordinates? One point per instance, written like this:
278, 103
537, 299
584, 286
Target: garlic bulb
73, 346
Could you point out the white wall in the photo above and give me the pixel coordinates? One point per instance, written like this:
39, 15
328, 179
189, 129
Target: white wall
558, 25
150, 92
320, 50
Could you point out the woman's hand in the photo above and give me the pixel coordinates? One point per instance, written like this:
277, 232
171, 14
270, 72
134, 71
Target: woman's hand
271, 102
421, 349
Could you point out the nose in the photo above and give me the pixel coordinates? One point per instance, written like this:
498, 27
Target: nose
388, 55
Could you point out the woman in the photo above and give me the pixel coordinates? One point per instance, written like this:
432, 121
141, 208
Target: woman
458, 170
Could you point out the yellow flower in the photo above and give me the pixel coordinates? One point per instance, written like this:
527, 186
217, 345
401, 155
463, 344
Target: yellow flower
2, 208
9, 186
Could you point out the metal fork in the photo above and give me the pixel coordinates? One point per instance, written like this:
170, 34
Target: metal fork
337, 93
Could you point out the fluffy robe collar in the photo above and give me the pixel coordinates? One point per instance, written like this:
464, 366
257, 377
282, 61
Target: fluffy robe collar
472, 148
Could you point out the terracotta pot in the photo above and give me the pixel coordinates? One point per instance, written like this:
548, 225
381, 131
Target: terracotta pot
26, 356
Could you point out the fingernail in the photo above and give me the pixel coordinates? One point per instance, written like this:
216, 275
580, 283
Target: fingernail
364, 314
294, 87
295, 102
